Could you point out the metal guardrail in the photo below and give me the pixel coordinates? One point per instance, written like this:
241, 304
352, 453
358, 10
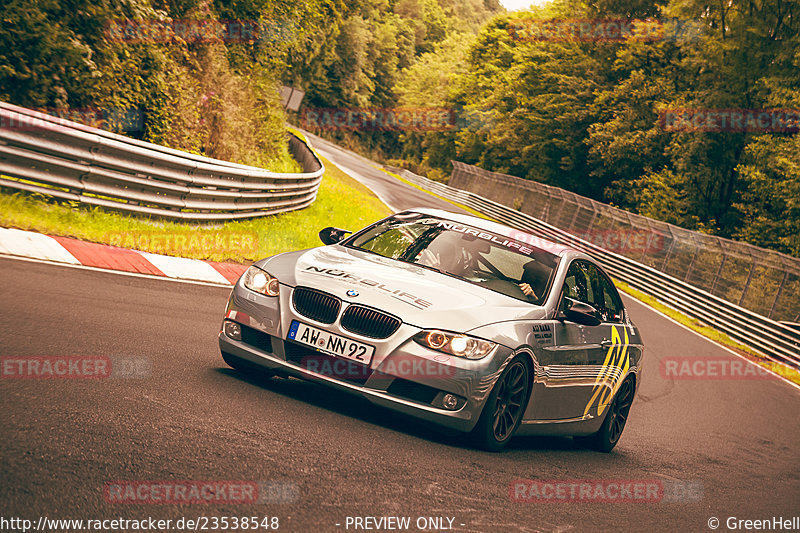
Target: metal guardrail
68, 160
777, 341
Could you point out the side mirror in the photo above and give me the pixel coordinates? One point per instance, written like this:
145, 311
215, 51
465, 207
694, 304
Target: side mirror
580, 313
331, 235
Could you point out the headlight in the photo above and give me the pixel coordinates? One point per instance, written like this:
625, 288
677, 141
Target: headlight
455, 344
261, 282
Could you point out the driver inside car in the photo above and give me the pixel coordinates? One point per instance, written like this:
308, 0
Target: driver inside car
534, 279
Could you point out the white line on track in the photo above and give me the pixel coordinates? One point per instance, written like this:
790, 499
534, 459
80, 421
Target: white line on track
712, 341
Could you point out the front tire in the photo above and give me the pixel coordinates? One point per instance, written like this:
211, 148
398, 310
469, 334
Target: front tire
609, 433
504, 408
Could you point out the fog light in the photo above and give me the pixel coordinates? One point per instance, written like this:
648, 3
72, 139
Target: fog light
449, 401
233, 330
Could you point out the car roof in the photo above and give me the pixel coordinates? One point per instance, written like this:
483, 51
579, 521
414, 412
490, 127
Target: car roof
500, 229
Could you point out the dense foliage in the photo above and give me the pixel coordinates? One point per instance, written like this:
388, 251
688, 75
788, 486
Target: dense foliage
211, 94
585, 115
581, 114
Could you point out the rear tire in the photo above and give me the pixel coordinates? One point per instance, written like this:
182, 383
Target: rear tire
245, 366
502, 414
609, 433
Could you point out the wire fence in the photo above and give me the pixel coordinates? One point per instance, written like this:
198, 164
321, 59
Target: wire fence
763, 281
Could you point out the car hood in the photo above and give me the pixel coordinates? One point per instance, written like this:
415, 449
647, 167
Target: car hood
419, 296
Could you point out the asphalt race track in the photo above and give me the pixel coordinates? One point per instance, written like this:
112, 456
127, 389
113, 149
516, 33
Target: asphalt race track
736, 442
390, 190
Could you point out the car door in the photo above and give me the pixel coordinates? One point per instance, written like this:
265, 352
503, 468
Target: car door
582, 366
609, 341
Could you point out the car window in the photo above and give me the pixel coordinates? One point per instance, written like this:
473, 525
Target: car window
608, 303
586, 283
392, 240
577, 285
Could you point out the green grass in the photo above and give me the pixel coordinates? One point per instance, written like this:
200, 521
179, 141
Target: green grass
341, 202
282, 163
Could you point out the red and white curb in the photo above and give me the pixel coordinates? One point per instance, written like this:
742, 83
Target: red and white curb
33, 245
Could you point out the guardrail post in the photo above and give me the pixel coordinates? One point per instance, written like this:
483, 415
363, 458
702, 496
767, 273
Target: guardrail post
691, 263
646, 246
578, 208
747, 283
778, 295
669, 251
591, 222
719, 271
546, 209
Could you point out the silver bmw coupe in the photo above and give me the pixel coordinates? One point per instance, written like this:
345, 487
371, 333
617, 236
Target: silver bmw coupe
450, 318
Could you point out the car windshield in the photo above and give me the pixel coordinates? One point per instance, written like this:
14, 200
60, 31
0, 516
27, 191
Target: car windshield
475, 255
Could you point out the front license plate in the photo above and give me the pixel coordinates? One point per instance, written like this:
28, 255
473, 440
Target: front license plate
331, 343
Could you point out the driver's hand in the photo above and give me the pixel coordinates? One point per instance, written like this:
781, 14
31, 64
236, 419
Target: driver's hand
527, 290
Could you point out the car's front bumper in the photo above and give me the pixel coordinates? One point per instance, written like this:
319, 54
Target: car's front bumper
403, 375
